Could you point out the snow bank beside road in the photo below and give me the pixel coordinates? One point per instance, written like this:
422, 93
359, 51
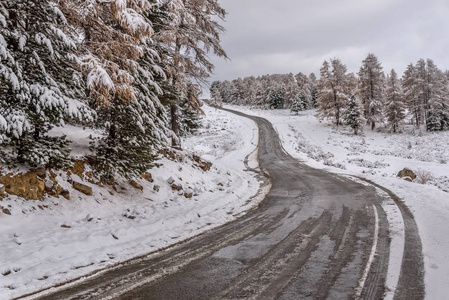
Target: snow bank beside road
48, 242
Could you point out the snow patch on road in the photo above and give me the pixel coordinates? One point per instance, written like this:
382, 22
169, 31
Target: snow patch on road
397, 242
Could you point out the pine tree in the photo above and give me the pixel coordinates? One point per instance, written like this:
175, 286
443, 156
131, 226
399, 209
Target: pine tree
426, 94
370, 89
110, 36
395, 106
225, 88
299, 103
276, 98
437, 106
313, 91
410, 89
334, 88
353, 115
120, 65
215, 93
191, 110
189, 32
40, 86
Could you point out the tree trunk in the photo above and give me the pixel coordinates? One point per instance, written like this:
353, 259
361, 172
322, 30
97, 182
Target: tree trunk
174, 124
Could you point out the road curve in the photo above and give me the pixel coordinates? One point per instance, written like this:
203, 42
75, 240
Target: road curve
315, 236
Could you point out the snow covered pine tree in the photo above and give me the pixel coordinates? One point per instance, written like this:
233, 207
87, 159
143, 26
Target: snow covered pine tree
334, 89
119, 66
188, 33
371, 82
276, 98
40, 87
395, 106
353, 115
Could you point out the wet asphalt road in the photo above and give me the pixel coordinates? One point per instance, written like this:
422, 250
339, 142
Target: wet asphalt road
311, 238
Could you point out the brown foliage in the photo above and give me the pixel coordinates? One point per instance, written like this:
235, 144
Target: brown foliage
110, 35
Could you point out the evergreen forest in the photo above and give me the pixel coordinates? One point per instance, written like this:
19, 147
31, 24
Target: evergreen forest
369, 98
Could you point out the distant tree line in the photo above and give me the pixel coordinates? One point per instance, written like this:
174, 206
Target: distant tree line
298, 92
369, 97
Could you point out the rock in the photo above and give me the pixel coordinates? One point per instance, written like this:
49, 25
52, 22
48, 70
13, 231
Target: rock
136, 185
41, 172
204, 165
171, 154
65, 194
28, 185
108, 180
49, 185
66, 226
82, 188
78, 168
6, 211
147, 176
156, 188
188, 193
170, 180
407, 174
176, 187
2, 188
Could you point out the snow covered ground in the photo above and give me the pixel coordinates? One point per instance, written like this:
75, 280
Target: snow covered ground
113, 226
379, 157
47, 242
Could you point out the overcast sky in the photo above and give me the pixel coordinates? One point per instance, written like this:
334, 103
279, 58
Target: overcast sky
267, 37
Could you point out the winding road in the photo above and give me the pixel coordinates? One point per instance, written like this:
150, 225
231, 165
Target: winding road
315, 236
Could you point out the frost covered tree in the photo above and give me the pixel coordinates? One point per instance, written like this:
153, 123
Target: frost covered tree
120, 67
394, 98
110, 35
276, 98
410, 90
334, 88
314, 90
189, 31
426, 93
215, 93
353, 115
306, 87
371, 82
300, 103
40, 87
437, 106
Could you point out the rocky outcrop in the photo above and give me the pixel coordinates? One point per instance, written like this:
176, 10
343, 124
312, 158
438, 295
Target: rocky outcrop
26, 185
407, 174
